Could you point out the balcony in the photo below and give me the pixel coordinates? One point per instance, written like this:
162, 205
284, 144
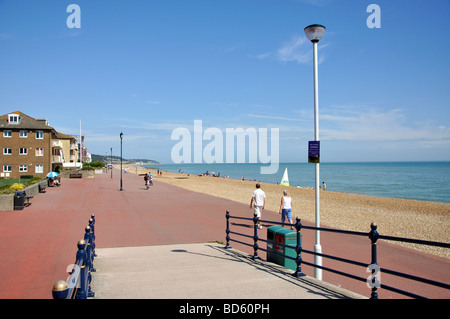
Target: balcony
56, 144
57, 159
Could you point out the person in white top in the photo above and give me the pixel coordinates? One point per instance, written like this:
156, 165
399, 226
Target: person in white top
286, 208
257, 202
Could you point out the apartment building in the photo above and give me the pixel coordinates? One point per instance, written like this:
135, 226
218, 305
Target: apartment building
65, 150
30, 146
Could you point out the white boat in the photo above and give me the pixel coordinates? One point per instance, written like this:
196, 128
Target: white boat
285, 179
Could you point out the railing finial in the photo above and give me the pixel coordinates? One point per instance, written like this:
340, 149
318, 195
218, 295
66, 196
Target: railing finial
60, 289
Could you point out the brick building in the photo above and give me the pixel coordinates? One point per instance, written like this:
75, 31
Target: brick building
30, 146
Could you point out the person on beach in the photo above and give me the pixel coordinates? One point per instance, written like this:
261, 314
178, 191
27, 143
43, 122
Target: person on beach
257, 202
324, 186
286, 208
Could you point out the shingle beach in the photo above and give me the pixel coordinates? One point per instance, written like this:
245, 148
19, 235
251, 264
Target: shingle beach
394, 217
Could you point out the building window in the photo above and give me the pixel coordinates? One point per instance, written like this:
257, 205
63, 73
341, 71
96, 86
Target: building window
7, 133
23, 151
23, 168
13, 119
39, 151
7, 151
23, 134
39, 169
7, 168
39, 135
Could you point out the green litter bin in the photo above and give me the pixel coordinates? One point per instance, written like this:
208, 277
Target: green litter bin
271, 245
280, 235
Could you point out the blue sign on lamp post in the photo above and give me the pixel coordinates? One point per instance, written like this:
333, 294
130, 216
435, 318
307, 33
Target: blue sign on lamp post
314, 152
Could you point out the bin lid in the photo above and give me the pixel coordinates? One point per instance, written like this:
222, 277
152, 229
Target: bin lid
274, 228
286, 232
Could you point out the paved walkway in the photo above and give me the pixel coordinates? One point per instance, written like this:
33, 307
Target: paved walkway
199, 271
38, 243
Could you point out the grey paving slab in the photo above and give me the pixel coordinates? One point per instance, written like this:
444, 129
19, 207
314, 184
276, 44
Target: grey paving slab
199, 271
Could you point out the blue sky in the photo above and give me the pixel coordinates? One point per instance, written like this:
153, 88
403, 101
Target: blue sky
145, 68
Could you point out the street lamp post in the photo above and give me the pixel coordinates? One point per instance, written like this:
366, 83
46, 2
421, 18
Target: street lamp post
111, 163
314, 33
121, 136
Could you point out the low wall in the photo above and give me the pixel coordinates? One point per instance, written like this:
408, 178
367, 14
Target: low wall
7, 201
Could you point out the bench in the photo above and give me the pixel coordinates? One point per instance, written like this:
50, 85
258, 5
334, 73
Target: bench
28, 200
42, 187
76, 175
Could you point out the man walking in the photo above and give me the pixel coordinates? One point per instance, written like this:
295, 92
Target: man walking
257, 202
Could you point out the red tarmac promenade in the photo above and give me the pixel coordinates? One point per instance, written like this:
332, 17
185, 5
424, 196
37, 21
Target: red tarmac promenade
39, 242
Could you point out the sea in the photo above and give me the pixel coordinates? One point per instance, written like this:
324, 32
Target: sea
424, 181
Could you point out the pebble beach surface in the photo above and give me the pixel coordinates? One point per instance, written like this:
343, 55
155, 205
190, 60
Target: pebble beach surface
394, 217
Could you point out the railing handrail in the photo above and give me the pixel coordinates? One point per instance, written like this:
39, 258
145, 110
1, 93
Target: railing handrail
358, 233
385, 237
77, 285
74, 280
373, 235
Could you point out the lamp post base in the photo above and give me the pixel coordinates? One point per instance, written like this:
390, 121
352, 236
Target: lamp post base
318, 261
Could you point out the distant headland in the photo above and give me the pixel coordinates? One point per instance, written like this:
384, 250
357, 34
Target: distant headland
116, 160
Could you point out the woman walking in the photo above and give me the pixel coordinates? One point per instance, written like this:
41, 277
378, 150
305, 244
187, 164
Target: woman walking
286, 208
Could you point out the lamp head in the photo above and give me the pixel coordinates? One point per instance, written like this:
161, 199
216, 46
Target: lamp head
121, 135
315, 32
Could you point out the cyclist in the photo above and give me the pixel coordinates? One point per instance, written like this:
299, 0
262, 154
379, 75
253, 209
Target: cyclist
146, 178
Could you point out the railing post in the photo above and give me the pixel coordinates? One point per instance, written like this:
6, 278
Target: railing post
89, 249
82, 258
91, 224
90, 293
90, 259
255, 237
298, 249
228, 230
87, 239
374, 268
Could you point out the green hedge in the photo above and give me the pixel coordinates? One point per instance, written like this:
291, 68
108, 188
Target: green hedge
93, 165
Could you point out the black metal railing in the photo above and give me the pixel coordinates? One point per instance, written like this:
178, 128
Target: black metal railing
373, 281
78, 284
